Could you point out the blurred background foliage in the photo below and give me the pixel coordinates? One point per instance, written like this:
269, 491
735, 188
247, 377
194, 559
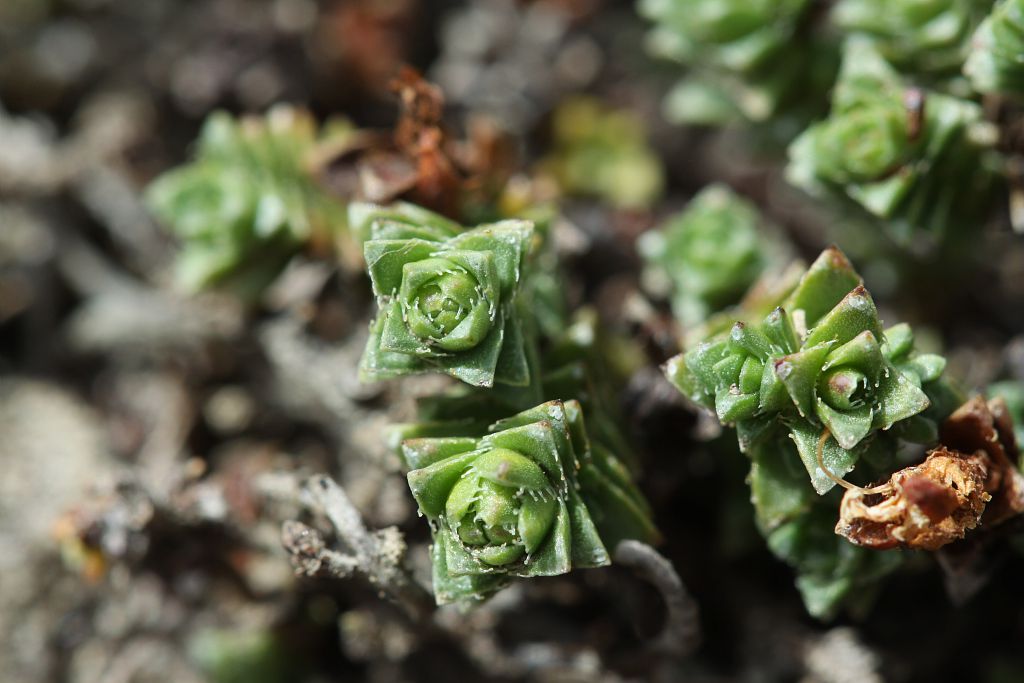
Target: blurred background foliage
153, 437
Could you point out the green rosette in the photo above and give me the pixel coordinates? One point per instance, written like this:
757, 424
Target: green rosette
448, 303
753, 60
919, 162
924, 38
821, 369
247, 204
707, 256
529, 498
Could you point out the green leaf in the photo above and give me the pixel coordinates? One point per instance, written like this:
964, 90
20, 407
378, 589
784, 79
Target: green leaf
898, 398
993, 64
778, 484
399, 220
826, 282
862, 352
426, 450
799, 373
849, 426
838, 460
853, 315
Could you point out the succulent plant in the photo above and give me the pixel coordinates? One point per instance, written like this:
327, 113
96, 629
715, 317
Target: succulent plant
927, 38
707, 256
917, 160
603, 152
832, 573
448, 303
820, 368
816, 389
246, 205
529, 498
994, 63
751, 60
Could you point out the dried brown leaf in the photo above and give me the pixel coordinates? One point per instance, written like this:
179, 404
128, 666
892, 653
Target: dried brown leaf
419, 162
422, 108
986, 428
926, 506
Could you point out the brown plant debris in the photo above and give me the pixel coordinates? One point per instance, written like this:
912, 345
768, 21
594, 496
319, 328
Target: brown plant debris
420, 161
986, 428
926, 506
970, 479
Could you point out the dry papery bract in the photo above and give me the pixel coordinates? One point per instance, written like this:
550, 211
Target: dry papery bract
925, 506
420, 161
969, 479
987, 428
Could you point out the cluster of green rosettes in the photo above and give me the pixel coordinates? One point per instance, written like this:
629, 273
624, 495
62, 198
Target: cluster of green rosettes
820, 368
536, 494
905, 138
247, 204
530, 497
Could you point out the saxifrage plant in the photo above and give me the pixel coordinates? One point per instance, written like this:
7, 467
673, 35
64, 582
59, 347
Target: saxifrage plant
529, 498
448, 303
247, 204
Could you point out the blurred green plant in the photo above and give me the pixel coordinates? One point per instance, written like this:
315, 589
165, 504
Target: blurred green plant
708, 255
230, 656
601, 152
246, 204
994, 64
747, 59
531, 497
926, 38
918, 161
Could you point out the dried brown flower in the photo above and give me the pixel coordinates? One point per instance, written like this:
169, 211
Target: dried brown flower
420, 161
970, 479
422, 108
925, 506
986, 428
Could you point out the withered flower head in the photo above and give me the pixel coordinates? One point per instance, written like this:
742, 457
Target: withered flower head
923, 507
986, 429
969, 479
